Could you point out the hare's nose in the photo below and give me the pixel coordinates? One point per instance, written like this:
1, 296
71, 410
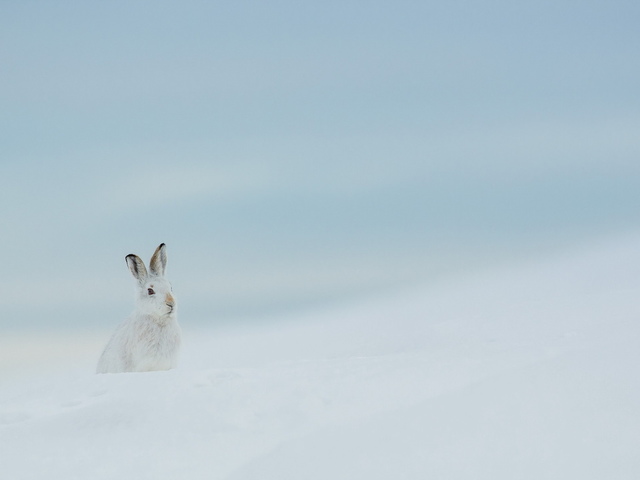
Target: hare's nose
169, 300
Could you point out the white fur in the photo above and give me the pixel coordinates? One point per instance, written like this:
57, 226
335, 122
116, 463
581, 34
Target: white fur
150, 338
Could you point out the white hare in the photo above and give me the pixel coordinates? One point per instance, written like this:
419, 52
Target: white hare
150, 338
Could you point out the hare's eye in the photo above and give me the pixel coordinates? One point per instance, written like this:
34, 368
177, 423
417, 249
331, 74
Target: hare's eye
150, 291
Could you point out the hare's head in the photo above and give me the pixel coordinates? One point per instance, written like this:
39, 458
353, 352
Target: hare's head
154, 295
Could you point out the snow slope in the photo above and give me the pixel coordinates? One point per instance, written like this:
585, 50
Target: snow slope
531, 372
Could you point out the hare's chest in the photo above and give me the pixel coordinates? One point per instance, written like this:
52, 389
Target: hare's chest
157, 347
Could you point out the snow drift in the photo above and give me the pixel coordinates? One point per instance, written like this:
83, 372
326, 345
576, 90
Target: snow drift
529, 372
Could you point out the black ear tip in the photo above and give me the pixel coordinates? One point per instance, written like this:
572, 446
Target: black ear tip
162, 245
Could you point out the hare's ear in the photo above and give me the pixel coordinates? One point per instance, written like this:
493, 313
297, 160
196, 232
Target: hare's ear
136, 265
158, 262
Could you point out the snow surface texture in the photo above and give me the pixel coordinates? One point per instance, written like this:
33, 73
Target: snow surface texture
523, 373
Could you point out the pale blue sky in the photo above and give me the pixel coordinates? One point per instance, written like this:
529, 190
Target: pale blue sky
294, 152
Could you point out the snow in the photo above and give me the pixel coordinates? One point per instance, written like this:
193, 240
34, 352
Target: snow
528, 372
